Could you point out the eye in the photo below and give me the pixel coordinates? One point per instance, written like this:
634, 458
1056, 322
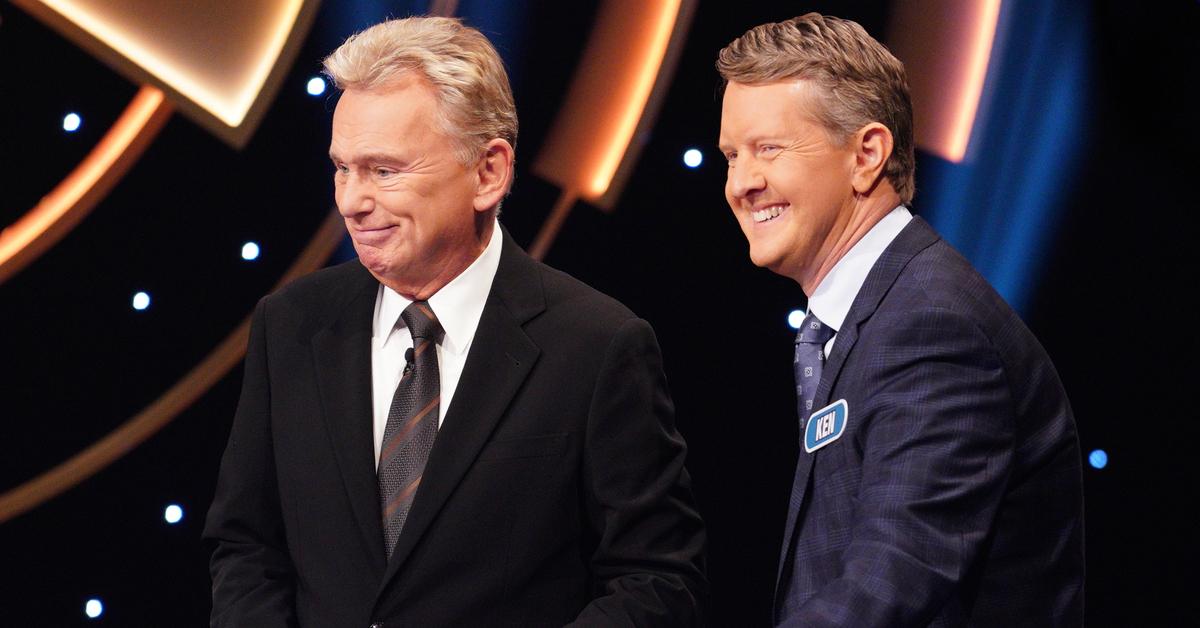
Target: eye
340, 169
384, 173
730, 156
768, 149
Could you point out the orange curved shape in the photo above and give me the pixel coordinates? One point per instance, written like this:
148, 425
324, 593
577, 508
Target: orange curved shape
624, 71
68, 203
975, 71
220, 61
638, 83
946, 46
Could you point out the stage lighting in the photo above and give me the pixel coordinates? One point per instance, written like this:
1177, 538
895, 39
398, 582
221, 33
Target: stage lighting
1098, 459
796, 318
94, 608
250, 251
173, 514
692, 158
141, 301
71, 122
316, 86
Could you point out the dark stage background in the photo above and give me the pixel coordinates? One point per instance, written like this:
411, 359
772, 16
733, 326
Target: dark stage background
1107, 272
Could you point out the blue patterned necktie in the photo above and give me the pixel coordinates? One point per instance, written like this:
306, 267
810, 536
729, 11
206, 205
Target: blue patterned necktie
412, 423
809, 361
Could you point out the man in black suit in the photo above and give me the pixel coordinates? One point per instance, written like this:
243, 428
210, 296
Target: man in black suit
446, 432
939, 477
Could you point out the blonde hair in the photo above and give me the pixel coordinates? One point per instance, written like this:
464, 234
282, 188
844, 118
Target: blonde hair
858, 80
466, 73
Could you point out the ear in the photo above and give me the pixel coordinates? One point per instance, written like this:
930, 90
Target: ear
872, 147
494, 171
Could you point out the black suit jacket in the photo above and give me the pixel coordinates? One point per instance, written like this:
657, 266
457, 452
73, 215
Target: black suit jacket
555, 491
954, 495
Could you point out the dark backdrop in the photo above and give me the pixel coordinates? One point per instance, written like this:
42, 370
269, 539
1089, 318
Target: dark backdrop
76, 360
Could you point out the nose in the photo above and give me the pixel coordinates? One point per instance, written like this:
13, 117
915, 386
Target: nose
353, 195
744, 179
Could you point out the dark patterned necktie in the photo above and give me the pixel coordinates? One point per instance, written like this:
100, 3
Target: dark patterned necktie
412, 423
810, 359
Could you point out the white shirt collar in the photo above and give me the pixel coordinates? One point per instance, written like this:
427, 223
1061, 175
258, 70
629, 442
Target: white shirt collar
832, 299
458, 305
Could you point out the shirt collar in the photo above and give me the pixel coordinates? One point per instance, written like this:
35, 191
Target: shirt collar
832, 299
458, 305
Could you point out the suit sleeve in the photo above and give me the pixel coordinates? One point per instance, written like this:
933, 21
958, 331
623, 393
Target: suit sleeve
251, 569
648, 562
937, 451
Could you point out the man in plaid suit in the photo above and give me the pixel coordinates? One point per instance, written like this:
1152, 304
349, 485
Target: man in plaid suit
939, 477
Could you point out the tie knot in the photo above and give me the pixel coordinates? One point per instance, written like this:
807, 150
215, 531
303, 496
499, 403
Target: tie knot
813, 331
421, 321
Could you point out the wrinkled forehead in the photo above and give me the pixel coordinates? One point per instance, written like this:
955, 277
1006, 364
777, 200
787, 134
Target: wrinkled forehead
749, 110
376, 119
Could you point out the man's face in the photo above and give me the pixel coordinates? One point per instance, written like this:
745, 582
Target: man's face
788, 185
407, 202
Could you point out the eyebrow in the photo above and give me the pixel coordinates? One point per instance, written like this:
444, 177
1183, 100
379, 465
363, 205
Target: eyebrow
728, 146
368, 158
761, 138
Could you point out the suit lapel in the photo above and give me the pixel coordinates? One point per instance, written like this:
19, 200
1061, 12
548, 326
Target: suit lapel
915, 237
342, 354
500, 359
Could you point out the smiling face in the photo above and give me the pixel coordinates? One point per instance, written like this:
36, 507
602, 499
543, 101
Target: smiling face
409, 205
790, 187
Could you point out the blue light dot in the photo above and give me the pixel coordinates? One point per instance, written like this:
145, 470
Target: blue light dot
1098, 459
250, 251
141, 301
796, 318
71, 122
94, 608
692, 158
316, 86
173, 514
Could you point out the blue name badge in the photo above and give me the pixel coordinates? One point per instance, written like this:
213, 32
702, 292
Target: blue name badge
826, 425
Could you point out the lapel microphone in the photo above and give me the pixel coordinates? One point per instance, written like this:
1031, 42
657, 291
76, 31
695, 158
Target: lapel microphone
408, 362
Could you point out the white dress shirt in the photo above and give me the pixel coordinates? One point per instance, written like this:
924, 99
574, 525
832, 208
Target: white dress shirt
832, 299
458, 306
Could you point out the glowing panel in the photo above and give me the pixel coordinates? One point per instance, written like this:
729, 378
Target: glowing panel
945, 46
67, 204
620, 80
222, 60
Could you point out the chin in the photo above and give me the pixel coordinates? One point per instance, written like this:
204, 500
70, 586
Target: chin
372, 261
763, 258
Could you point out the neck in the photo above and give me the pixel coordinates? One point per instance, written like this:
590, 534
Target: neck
862, 216
422, 290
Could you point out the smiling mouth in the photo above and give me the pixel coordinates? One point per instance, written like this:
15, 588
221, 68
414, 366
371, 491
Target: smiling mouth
370, 237
767, 213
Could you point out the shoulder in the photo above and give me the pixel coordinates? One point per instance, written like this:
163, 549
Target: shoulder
577, 323
939, 282
321, 295
324, 282
581, 318
568, 296
549, 301
938, 303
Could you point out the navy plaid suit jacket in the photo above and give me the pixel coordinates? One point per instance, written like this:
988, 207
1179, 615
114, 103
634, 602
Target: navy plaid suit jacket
953, 497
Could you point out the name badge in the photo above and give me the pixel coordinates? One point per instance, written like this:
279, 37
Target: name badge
826, 425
